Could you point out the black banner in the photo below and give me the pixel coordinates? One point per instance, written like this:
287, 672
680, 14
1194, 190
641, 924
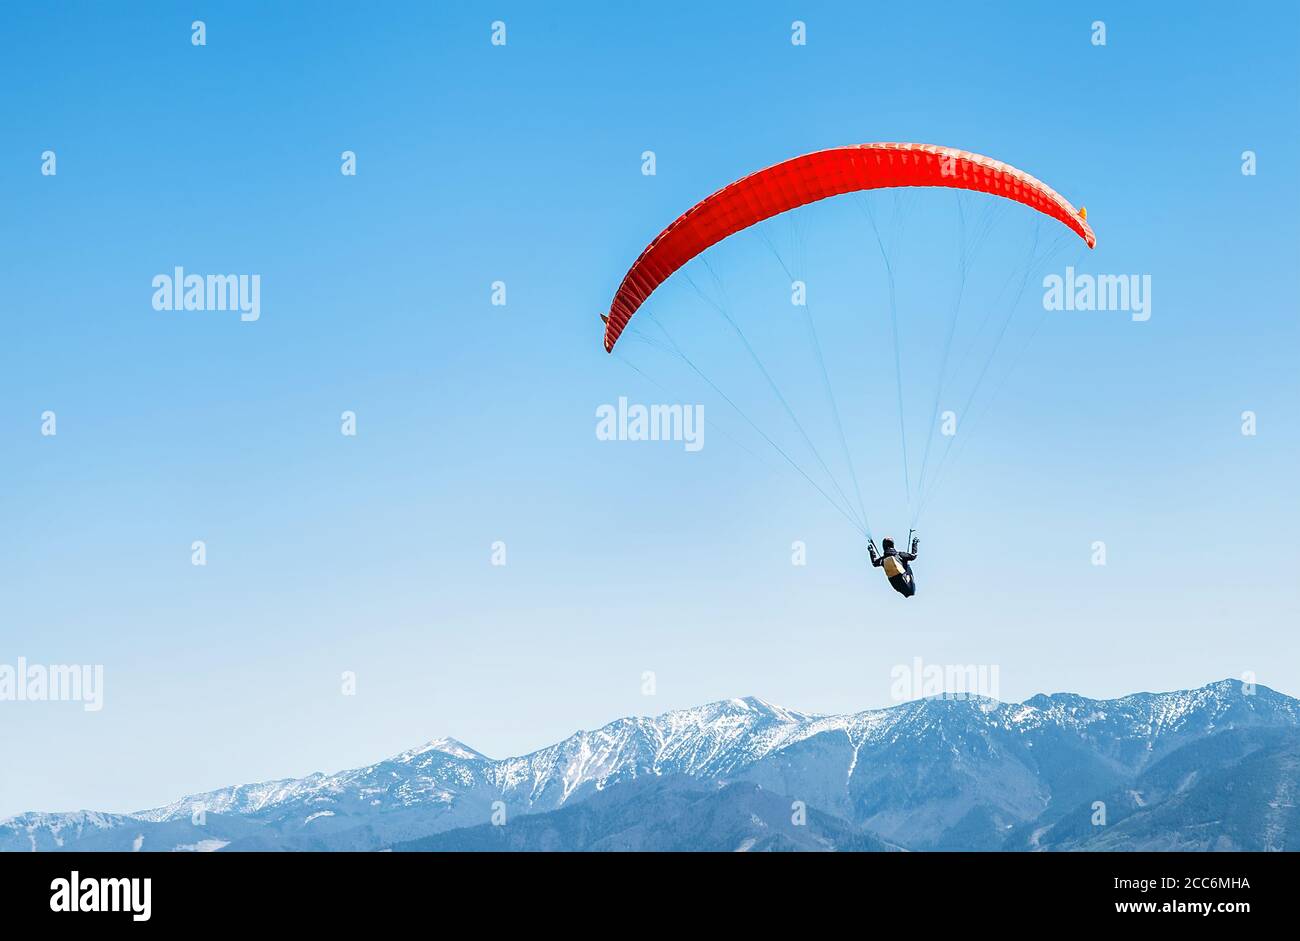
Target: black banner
186, 890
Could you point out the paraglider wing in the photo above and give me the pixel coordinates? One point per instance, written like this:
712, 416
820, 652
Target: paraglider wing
802, 180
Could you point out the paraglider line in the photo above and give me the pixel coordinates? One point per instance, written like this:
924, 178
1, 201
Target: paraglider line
826, 383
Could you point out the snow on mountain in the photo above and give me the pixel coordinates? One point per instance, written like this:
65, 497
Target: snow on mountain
239, 799
447, 746
844, 760
707, 741
45, 831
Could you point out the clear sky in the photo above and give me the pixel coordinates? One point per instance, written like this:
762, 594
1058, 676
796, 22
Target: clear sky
476, 423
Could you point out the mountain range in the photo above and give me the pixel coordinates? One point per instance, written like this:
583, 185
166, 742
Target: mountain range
1215, 768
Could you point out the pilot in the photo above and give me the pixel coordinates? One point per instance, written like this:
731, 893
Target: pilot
897, 565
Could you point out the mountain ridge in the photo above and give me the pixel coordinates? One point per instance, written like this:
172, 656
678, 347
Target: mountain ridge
852, 765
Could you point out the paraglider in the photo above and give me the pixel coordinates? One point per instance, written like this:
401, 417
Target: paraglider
825, 173
798, 182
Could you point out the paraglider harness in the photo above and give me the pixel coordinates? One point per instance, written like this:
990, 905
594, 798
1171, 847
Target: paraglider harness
897, 565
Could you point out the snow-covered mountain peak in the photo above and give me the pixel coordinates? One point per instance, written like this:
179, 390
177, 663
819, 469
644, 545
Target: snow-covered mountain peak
771, 710
447, 746
748, 710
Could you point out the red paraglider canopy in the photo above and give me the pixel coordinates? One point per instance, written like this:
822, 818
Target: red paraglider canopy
802, 180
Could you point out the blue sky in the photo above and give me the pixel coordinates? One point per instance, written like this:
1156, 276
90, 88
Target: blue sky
476, 423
